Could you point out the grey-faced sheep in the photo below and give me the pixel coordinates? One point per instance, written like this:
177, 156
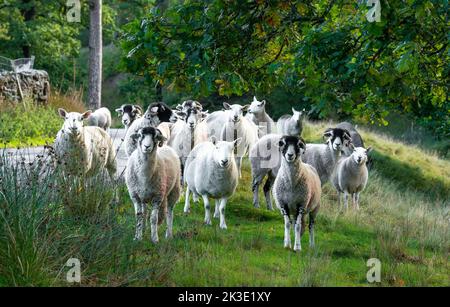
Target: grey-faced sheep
211, 171
291, 124
350, 175
129, 113
323, 157
153, 179
84, 150
296, 191
237, 126
257, 114
100, 118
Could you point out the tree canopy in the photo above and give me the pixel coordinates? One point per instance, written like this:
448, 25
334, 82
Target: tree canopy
327, 50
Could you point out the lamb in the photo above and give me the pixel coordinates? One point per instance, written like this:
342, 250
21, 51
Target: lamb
350, 175
129, 113
265, 157
156, 113
100, 118
323, 157
187, 133
239, 126
257, 114
291, 124
84, 150
296, 190
153, 178
211, 171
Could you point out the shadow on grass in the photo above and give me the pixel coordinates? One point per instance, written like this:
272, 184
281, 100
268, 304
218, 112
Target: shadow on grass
410, 177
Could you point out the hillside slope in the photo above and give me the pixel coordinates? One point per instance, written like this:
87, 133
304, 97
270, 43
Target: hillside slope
403, 221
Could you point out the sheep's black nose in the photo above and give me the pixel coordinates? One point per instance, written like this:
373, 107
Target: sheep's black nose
290, 155
224, 162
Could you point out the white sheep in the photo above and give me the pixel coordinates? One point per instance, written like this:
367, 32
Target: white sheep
187, 133
257, 114
84, 150
237, 126
129, 113
323, 157
215, 122
100, 118
350, 175
153, 179
291, 124
211, 171
296, 191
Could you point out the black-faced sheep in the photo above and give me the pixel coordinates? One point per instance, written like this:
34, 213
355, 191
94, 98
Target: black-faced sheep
296, 191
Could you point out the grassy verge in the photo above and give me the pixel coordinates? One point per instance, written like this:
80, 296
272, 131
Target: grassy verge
46, 220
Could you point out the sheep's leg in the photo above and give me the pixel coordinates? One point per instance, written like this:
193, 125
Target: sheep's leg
223, 204
298, 233
287, 231
346, 201
154, 223
267, 188
186, 201
339, 199
140, 218
169, 222
217, 208
255, 189
207, 210
312, 221
238, 164
357, 200
195, 197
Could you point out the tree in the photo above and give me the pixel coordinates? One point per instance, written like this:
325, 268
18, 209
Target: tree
342, 63
95, 54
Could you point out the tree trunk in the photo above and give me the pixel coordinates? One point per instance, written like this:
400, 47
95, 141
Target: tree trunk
95, 54
162, 5
28, 11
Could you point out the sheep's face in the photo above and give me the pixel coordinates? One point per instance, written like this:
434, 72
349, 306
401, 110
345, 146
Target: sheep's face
191, 116
189, 105
148, 138
257, 107
236, 111
73, 121
359, 155
337, 138
224, 151
292, 148
129, 113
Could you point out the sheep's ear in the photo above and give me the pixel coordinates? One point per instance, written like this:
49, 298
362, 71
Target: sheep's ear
226, 106
254, 98
263, 103
237, 142
198, 105
245, 108
281, 143
369, 149
205, 114
86, 114
213, 140
180, 114
119, 111
62, 112
153, 110
328, 133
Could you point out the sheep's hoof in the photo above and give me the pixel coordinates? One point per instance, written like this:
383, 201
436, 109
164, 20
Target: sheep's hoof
216, 215
287, 245
208, 223
256, 205
224, 226
297, 248
187, 211
169, 235
137, 239
270, 208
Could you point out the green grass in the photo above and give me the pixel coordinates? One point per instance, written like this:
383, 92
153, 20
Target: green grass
406, 228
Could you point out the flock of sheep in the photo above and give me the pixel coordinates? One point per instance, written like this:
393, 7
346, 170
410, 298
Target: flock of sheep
187, 146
